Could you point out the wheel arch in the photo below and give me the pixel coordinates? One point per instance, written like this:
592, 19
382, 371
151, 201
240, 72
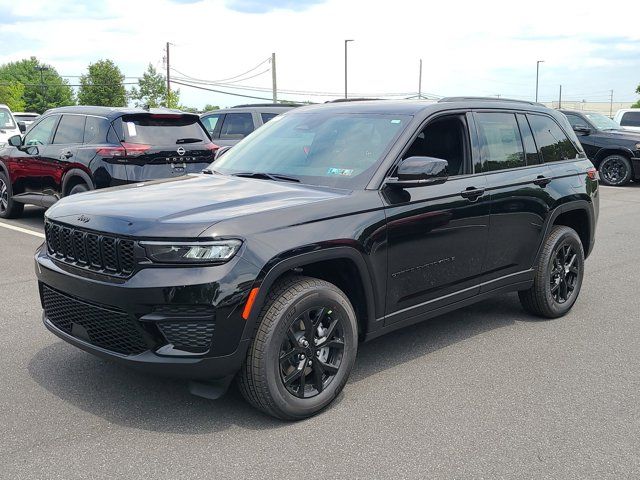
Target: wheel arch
577, 214
4, 169
319, 264
71, 178
611, 150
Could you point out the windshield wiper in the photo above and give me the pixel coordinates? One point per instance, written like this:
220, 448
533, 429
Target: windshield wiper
266, 176
188, 140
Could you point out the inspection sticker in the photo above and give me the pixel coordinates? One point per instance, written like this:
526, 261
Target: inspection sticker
346, 172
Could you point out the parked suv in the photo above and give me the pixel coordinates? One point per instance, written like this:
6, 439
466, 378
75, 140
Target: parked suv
628, 118
227, 127
332, 224
75, 149
614, 151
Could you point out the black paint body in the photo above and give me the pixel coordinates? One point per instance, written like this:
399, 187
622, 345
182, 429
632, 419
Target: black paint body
408, 254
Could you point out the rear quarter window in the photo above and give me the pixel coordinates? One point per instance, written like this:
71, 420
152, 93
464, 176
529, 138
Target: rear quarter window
162, 129
552, 142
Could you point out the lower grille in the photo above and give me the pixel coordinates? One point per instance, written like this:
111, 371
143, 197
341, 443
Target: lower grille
192, 337
109, 329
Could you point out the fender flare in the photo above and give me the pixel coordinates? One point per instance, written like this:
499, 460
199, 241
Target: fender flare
573, 205
4, 169
269, 275
602, 153
76, 172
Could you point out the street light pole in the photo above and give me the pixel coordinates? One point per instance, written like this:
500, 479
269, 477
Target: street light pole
43, 88
537, 74
345, 66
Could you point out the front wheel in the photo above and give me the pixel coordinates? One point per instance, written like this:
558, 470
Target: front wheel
303, 351
615, 170
558, 275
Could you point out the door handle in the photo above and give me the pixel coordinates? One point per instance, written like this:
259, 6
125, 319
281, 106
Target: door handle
66, 155
542, 181
472, 193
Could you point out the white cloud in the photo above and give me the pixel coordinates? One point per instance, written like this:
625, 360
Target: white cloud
485, 47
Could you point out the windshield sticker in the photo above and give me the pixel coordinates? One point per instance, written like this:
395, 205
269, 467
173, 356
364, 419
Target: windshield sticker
345, 172
131, 129
396, 121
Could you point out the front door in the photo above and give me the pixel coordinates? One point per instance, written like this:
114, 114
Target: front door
437, 234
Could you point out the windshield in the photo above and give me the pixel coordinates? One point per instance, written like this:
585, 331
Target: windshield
325, 148
601, 122
6, 120
162, 129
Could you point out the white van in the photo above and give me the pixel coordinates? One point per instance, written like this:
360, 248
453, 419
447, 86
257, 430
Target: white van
8, 125
628, 118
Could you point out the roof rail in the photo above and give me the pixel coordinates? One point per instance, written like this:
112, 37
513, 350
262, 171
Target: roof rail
247, 105
340, 100
488, 99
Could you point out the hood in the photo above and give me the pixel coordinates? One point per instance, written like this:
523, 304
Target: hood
181, 207
624, 135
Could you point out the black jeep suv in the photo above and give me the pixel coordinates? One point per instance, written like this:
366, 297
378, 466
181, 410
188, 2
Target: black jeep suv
613, 150
329, 225
74, 149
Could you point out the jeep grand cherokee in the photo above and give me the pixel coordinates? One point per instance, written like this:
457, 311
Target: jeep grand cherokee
330, 225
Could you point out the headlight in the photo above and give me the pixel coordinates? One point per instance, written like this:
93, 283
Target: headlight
192, 252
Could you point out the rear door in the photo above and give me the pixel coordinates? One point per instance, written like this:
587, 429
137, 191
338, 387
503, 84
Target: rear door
164, 145
517, 181
59, 156
235, 127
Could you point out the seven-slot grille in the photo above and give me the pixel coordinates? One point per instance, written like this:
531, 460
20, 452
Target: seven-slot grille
90, 250
110, 329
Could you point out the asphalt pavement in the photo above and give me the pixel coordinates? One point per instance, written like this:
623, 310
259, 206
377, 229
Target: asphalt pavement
484, 392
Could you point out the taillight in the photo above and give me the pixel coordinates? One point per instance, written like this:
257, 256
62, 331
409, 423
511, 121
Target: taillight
123, 151
592, 173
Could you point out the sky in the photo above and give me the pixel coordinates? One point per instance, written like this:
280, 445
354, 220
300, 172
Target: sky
468, 48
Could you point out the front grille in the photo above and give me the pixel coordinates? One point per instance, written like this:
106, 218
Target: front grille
188, 336
110, 329
90, 250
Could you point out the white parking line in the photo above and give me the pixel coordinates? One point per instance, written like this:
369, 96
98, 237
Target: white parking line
23, 230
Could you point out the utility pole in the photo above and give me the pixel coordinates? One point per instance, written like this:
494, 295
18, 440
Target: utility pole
345, 66
420, 82
273, 78
560, 98
611, 105
537, 75
168, 78
43, 87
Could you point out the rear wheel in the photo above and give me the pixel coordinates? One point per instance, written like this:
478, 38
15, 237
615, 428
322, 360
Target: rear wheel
615, 170
558, 275
303, 351
8, 207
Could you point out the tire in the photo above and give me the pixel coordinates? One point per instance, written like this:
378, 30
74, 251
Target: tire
615, 170
9, 208
551, 282
277, 354
79, 188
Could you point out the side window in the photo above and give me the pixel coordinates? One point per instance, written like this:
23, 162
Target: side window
40, 134
95, 130
236, 126
576, 121
70, 129
500, 142
446, 138
630, 119
210, 122
530, 149
267, 116
552, 142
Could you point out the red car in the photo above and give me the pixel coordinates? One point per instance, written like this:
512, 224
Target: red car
74, 149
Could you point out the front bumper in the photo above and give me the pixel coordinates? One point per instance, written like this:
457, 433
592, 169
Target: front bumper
147, 303
635, 163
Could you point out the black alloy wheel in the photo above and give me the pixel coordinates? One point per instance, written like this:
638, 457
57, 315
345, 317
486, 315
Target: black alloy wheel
311, 354
564, 274
4, 196
615, 170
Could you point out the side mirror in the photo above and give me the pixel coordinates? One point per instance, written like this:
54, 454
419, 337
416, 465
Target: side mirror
15, 141
221, 151
22, 126
420, 171
581, 129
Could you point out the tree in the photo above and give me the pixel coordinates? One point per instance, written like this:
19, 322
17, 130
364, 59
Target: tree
43, 87
152, 91
103, 84
208, 107
637, 104
11, 95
